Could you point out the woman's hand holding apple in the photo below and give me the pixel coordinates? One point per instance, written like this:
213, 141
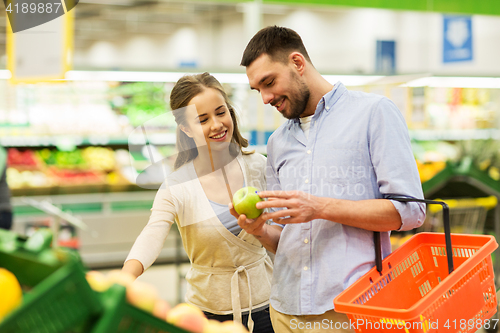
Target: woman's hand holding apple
245, 202
251, 226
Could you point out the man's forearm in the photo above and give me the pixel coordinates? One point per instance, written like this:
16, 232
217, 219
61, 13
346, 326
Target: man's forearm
374, 214
270, 237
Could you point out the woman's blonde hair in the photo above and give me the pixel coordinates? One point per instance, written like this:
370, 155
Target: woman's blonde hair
183, 92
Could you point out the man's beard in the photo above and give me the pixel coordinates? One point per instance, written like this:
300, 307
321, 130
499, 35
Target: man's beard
298, 106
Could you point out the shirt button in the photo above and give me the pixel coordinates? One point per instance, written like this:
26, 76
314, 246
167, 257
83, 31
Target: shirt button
307, 181
309, 151
306, 240
305, 268
328, 108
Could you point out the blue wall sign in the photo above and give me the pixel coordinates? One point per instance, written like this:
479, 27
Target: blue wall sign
386, 57
457, 38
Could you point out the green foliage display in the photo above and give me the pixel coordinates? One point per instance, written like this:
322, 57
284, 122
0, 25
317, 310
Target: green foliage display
140, 101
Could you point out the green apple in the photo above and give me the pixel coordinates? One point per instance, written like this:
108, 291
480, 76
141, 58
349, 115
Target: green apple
244, 201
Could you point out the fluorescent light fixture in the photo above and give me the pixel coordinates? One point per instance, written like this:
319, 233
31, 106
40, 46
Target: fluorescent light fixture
455, 82
5, 74
454, 134
109, 2
241, 78
233, 78
352, 80
238, 78
123, 76
147, 76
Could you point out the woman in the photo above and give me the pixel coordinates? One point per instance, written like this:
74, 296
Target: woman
230, 273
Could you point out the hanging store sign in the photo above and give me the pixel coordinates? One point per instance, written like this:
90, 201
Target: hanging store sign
457, 39
385, 61
39, 39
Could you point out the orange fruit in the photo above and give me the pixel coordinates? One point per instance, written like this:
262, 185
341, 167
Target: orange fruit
11, 292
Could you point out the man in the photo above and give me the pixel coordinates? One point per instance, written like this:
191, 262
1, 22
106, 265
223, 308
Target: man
331, 166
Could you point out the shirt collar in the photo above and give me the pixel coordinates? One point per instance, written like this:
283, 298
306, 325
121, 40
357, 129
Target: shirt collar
326, 102
331, 97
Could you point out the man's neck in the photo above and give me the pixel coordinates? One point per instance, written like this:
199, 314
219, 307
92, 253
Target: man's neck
318, 87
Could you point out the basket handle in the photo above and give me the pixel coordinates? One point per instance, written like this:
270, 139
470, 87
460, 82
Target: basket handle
447, 232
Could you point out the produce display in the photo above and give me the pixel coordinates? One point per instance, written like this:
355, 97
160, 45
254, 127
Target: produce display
25, 159
461, 108
140, 101
47, 289
429, 169
145, 297
11, 292
433, 156
52, 167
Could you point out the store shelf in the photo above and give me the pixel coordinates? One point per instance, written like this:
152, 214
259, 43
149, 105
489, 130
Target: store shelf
455, 134
70, 140
90, 202
114, 221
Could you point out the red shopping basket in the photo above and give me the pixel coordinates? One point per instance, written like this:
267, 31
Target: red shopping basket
416, 288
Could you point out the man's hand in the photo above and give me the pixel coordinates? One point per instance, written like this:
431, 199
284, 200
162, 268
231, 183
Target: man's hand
301, 207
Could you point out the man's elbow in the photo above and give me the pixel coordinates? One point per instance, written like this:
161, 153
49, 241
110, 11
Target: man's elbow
415, 219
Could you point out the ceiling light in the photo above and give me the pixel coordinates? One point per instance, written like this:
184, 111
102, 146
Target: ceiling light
5, 74
455, 82
352, 80
123, 76
238, 78
109, 2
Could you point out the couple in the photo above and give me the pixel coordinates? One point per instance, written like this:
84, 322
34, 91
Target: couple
327, 170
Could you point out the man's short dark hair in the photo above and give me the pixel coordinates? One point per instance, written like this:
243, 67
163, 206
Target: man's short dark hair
276, 42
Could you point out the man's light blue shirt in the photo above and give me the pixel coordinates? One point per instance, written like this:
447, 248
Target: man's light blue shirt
358, 148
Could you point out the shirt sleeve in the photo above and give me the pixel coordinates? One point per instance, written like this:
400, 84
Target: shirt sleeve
394, 163
150, 241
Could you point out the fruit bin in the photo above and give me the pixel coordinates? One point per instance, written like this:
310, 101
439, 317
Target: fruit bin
415, 292
59, 300
119, 316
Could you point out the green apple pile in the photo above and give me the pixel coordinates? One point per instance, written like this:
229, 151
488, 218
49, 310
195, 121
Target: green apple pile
63, 159
140, 101
244, 201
